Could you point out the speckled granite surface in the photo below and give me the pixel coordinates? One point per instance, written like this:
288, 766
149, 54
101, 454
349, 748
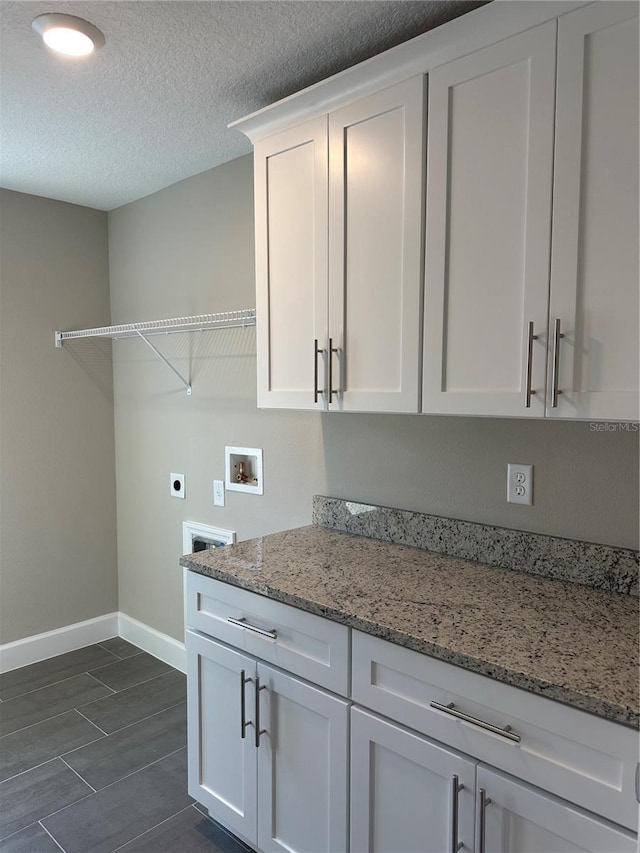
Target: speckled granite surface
598, 566
556, 639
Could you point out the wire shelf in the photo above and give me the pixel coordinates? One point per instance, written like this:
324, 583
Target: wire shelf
143, 330
196, 323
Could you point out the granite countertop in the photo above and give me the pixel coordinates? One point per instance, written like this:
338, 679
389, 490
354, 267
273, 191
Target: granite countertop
557, 639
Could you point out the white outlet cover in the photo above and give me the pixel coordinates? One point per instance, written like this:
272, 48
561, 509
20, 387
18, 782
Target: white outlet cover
177, 485
519, 483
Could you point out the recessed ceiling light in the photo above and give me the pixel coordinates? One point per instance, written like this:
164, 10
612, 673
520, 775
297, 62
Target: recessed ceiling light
68, 34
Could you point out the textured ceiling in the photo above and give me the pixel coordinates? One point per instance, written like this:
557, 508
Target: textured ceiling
152, 106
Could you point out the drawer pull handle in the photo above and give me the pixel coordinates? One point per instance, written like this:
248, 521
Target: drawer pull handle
243, 723
259, 731
556, 365
460, 715
316, 353
456, 787
272, 634
331, 349
527, 390
482, 829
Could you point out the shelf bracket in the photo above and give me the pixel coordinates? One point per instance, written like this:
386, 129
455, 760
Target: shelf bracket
166, 361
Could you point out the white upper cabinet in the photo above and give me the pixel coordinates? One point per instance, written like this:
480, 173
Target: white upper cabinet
529, 268
489, 182
338, 257
495, 342
291, 180
375, 239
594, 270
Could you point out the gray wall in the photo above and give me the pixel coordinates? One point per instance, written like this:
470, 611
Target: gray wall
57, 485
585, 482
189, 249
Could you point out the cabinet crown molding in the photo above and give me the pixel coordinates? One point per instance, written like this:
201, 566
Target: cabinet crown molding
479, 28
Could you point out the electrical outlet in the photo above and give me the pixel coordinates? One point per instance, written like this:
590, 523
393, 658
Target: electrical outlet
519, 483
218, 493
177, 485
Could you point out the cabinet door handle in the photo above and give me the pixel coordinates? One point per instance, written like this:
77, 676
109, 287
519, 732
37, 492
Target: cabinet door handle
482, 829
243, 723
527, 391
556, 364
316, 353
272, 634
456, 787
259, 731
330, 352
460, 715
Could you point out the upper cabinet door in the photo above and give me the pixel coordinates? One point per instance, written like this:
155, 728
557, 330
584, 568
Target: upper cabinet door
594, 273
375, 249
489, 182
291, 176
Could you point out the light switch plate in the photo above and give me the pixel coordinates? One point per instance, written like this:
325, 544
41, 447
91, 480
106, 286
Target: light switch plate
218, 493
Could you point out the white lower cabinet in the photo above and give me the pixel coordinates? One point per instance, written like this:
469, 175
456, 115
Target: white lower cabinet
431, 758
514, 818
268, 753
302, 766
577, 757
413, 795
408, 794
222, 763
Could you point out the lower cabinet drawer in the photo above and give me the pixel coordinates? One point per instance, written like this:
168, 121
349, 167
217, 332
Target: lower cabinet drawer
298, 642
577, 756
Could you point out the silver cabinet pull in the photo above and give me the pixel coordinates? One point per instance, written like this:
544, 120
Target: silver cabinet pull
527, 391
460, 715
556, 364
259, 731
272, 634
243, 723
456, 787
316, 353
330, 352
482, 829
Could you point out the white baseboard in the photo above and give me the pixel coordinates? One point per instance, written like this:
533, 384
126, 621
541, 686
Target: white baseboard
51, 643
156, 643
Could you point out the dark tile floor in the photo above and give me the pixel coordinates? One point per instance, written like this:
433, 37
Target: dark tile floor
93, 758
